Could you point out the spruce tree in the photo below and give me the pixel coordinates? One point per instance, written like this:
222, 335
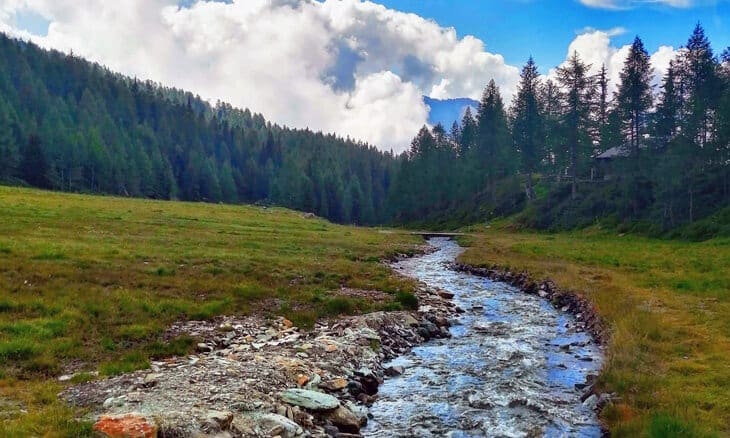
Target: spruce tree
34, 168
491, 150
578, 94
527, 124
9, 155
634, 95
697, 68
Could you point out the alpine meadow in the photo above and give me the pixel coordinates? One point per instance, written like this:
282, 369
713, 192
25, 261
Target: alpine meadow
553, 261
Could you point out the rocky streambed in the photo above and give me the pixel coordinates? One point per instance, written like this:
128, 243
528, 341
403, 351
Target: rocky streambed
257, 377
479, 358
515, 365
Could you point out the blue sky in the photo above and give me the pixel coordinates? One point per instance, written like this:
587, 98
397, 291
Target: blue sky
517, 29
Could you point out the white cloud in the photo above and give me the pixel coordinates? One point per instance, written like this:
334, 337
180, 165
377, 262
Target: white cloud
347, 66
628, 4
595, 48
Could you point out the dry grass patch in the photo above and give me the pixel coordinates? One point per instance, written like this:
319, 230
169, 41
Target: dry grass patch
667, 304
89, 283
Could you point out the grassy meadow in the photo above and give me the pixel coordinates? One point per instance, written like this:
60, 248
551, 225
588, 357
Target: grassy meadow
89, 283
667, 304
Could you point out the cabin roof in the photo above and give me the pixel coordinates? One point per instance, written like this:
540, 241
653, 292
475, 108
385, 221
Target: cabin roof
614, 152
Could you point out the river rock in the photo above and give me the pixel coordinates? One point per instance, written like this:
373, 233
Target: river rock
445, 294
591, 402
275, 424
410, 321
361, 412
345, 420
151, 380
219, 420
394, 371
316, 401
204, 348
334, 385
125, 426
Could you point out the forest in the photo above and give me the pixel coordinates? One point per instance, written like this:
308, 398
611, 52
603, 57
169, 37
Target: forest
565, 154
69, 125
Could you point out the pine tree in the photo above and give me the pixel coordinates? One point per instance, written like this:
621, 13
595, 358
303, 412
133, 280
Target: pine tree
9, 155
468, 133
578, 94
34, 168
666, 120
490, 152
634, 95
527, 123
602, 110
697, 68
550, 102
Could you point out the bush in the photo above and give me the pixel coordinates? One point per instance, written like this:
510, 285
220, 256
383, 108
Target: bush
407, 300
339, 306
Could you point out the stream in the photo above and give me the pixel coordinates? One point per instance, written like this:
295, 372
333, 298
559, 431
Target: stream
510, 368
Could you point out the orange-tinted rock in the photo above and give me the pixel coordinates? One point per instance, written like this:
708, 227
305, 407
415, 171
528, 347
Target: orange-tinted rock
335, 384
125, 426
302, 380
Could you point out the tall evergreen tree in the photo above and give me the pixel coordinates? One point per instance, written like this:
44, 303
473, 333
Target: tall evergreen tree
578, 94
551, 104
602, 110
492, 147
634, 95
468, 134
9, 154
34, 167
527, 124
697, 68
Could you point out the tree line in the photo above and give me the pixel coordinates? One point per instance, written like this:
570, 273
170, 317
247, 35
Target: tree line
567, 153
67, 124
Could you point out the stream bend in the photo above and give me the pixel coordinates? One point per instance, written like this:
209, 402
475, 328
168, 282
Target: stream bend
514, 366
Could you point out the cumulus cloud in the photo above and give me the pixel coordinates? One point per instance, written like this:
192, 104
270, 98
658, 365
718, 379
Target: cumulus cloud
352, 67
347, 66
594, 47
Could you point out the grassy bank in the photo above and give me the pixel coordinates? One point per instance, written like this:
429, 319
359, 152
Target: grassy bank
89, 283
667, 304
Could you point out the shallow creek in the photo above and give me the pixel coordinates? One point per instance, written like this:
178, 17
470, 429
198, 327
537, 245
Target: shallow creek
510, 369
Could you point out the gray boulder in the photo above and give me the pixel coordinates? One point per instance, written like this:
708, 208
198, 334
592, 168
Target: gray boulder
313, 400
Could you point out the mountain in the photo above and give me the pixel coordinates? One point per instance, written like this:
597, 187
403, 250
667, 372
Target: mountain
448, 111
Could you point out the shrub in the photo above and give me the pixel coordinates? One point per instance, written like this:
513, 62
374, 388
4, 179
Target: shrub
407, 300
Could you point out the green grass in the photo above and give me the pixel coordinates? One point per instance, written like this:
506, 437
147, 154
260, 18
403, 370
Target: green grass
667, 304
95, 280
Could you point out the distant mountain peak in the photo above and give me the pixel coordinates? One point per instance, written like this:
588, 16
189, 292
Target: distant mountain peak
448, 111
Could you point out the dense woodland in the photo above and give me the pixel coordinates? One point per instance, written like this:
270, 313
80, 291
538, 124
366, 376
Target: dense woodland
565, 154
568, 154
67, 124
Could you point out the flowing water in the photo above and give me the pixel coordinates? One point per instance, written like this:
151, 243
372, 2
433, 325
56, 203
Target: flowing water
510, 368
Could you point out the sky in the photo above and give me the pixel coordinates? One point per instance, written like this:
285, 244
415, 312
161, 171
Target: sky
354, 67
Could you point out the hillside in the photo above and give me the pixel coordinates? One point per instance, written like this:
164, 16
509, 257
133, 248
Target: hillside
69, 125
